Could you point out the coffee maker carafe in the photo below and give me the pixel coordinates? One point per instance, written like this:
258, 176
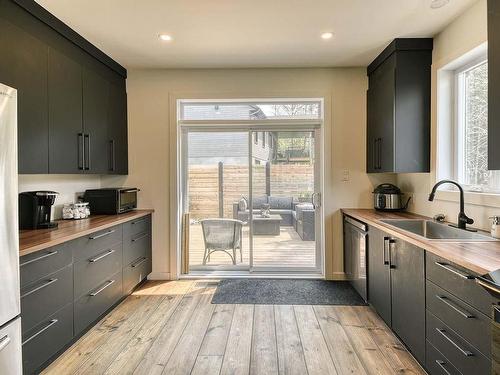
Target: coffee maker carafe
35, 209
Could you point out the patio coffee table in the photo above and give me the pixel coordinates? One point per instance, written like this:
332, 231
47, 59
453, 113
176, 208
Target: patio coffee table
266, 225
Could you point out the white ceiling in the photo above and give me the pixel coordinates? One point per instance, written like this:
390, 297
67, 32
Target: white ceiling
249, 33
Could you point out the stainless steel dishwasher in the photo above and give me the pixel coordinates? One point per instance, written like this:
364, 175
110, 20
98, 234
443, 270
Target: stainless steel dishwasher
355, 246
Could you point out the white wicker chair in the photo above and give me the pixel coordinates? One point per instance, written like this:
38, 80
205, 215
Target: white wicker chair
222, 235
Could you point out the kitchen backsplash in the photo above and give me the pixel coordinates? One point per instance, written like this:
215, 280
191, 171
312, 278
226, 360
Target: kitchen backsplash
69, 187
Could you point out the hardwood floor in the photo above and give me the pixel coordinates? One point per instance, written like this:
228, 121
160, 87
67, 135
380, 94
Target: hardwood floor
172, 328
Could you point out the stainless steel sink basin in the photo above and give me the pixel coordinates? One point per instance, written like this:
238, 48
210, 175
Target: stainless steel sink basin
432, 230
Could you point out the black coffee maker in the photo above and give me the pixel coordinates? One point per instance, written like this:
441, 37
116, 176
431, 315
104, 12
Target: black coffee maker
35, 208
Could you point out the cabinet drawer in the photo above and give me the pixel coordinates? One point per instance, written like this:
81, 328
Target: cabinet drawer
138, 246
135, 273
134, 227
436, 363
42, 298
44, 262
94, 270
465, 357
92, 244
459, 282
47, 338
92, 305
468, 322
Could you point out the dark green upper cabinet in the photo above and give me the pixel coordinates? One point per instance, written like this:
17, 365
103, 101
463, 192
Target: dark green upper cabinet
117, 130
95, 123
493, 84
65, 114
398, 108
71, 97
23, 66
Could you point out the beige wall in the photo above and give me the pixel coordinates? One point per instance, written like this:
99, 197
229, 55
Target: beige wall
464, 34
152, 136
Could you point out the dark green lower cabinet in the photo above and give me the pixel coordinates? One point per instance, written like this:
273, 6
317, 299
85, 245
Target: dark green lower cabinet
67, 288
396, 288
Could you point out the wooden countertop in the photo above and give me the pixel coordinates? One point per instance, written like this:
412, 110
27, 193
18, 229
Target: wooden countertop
39, 239
479, 257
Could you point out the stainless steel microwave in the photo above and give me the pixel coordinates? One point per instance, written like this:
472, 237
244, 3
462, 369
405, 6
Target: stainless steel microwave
111, 201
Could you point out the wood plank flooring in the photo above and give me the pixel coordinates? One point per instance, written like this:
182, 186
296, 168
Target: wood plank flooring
172, 328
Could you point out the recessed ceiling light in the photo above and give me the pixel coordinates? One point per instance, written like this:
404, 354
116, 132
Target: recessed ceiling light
327, 35
165, 37
435, 4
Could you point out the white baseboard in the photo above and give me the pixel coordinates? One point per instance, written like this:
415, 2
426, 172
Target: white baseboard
159, 276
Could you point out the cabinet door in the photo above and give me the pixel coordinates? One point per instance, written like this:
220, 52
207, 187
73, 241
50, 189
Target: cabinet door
379, 281
23, 66
117, 130
493, 84
408, 295
65, 114
381, 115
95, 122
372, 150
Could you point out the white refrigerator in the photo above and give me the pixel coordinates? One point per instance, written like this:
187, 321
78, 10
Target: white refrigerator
10, 321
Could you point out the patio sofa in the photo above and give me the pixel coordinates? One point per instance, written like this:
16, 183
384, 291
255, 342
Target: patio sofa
283, 206
303, 219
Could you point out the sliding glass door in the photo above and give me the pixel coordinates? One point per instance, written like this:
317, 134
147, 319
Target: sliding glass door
250, 192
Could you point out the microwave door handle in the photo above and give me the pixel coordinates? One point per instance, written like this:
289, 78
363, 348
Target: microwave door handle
131, 191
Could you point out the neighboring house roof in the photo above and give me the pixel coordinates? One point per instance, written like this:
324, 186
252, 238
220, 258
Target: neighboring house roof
222, 112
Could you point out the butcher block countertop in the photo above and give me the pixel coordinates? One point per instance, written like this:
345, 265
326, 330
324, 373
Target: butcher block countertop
479, 257
39, 239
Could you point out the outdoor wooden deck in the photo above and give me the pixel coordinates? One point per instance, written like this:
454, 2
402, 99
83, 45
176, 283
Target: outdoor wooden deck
285, 250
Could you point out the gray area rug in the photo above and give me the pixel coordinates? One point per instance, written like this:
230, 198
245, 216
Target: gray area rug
286, 292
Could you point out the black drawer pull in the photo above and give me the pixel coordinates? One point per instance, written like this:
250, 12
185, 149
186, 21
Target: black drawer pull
138, 221
462, 312
441, 364
140, 237
464, 352
49, 254
46, 284
98, 258
51, 323
102, 235
4, 341
455, 271
109, 283
139, 262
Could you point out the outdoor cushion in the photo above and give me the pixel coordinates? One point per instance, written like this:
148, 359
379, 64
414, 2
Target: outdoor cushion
258, 201
280, 202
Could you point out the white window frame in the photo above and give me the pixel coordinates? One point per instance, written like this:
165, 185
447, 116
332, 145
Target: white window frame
459, 125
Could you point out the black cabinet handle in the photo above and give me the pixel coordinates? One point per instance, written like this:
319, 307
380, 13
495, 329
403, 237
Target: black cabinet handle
379, 153
81, 152
112, 159
384, 257
454, 271
462, 312
102, 256
375, 164
49, 254
51, 323
441, 364
40, 287
102, 235
392, 242
450, 340
139, 262
108, 283
86, 148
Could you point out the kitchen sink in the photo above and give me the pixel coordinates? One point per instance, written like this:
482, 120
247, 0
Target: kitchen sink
432, 230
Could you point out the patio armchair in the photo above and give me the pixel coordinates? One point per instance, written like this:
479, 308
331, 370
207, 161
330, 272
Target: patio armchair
304, 221
222, 235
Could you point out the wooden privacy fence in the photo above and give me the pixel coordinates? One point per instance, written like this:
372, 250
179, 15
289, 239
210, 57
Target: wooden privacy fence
212, 189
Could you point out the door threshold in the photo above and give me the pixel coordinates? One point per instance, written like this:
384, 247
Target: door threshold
250, 275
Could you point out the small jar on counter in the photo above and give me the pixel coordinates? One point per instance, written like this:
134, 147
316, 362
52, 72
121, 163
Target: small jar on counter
76, 211
495, 226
